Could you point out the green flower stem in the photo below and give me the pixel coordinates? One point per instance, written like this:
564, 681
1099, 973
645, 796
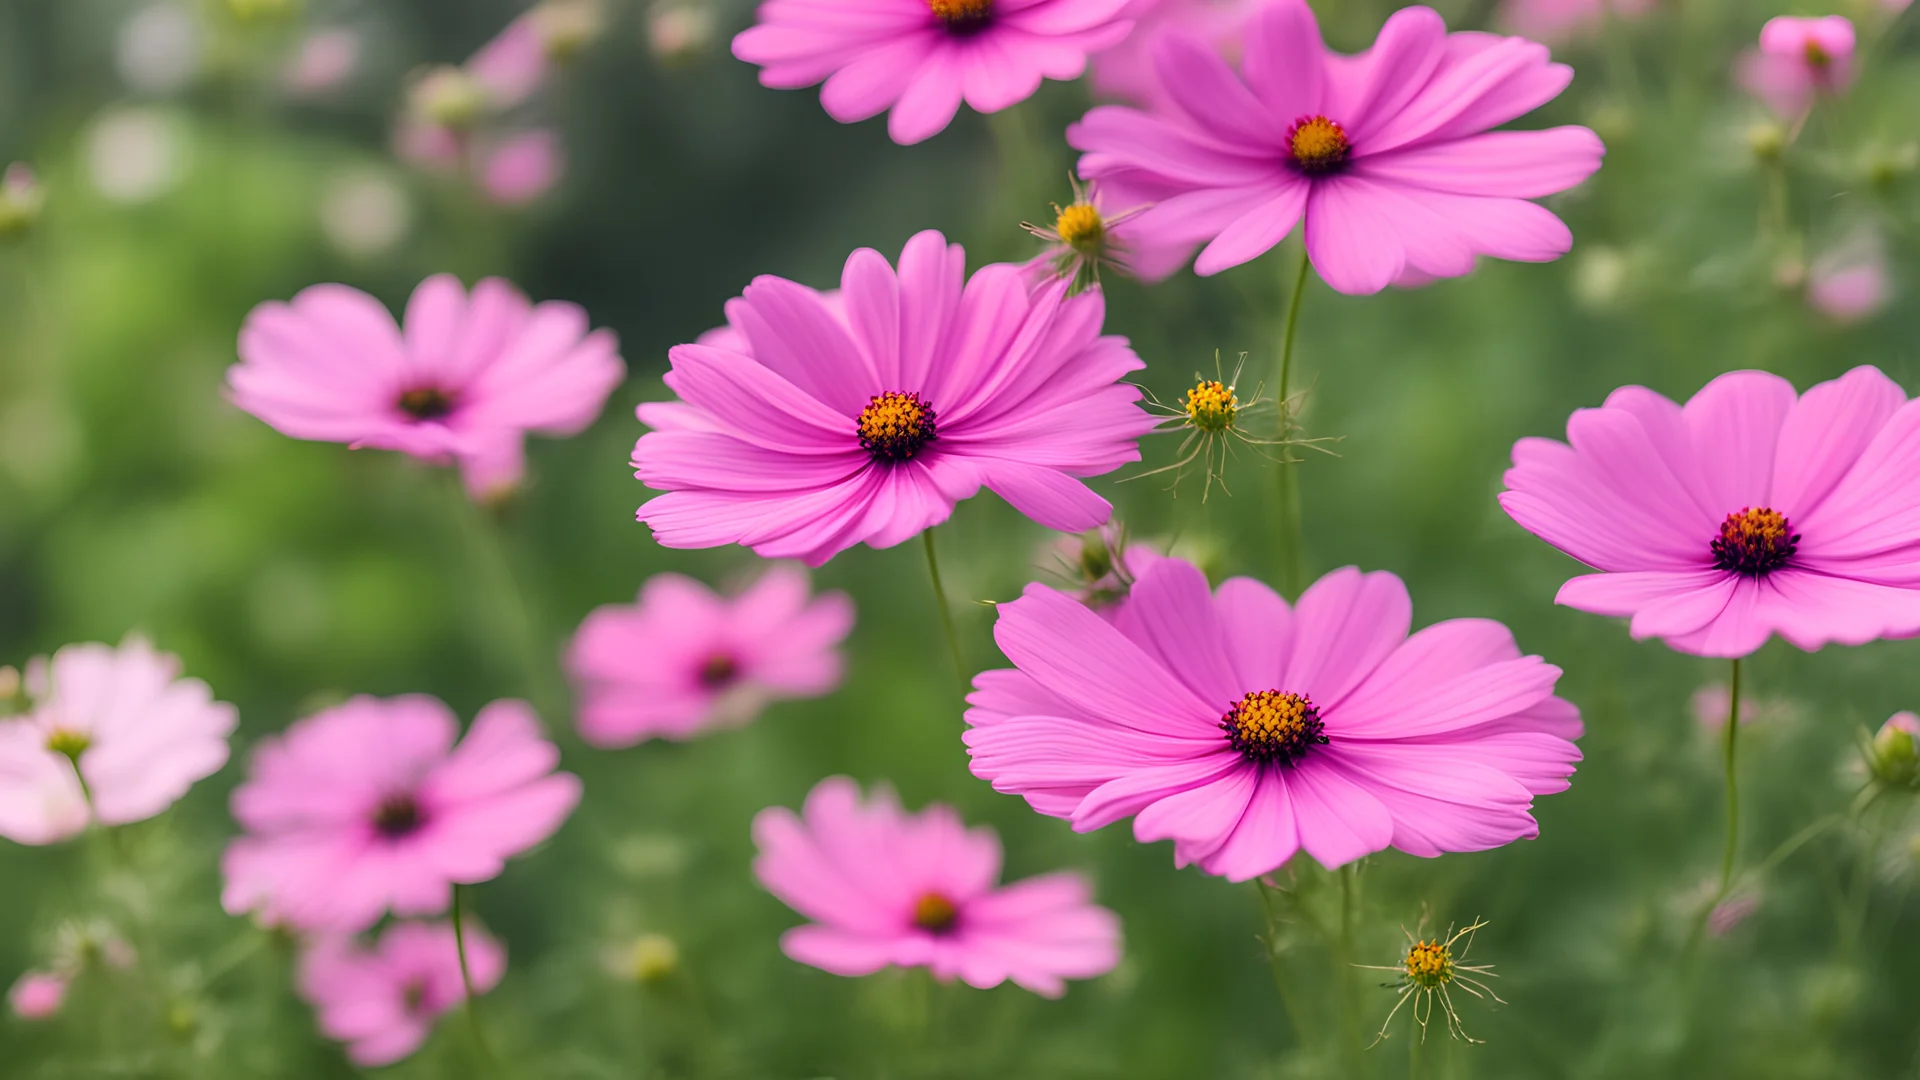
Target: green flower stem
471, 1003
1293, 563
946, 613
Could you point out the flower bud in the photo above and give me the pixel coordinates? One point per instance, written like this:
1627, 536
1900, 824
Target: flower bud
1767, 140
21, 198
568, 26
37, 995
1894, 756
448, 96
648, 959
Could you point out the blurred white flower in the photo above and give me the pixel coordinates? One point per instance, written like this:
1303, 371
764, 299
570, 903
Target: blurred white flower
134, 155
677, 32
158, 49
364, 212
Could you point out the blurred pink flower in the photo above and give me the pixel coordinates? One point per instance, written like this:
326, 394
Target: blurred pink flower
1850, 282
37, 995
1556, 21
1798, 60
869, 425
886, 888
684, 660
1731, 912
521, 167
435, 148
369, 807
1126, 72
326, 59
921, 57
1748, 513
511, 66
1100, 566
1246, 731
382, 1001
139, 733
468, 377
1385, 156
1711, 703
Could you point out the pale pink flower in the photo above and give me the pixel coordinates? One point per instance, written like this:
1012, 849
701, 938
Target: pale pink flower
886, 888
382, 1001
1798, 61
325, 59
922, 57
137, 732
434, 148
465, 380
520, 168
1245, 730
38, 995
1750, 512
1556, 21
869, 424
1850, 282
1126, 70
1711, 703
1384, 159
369, 807
684, 660
1731, 912
512, 65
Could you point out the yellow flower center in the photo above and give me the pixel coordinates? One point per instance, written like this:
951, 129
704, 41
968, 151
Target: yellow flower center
1754, 542
935, 913
1211, 405
68, 743
962, 15
1270, 727
1318, 144
1081, 228
894, 426
1430, 964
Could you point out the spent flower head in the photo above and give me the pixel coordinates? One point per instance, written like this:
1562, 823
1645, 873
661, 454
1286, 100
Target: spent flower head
1084, 237
1433, 968
1210, 414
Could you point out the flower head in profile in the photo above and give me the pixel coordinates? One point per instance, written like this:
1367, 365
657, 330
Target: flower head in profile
1556, 21
1893, 754
1388, 157
1431, 970
1126, 71
1245, 730
1099, 565
369, 807
921, 58
683, 660
113, 735
886, 888
816, 423
1086, 235
466, 379
1749, 512
382, 1000
1799, 61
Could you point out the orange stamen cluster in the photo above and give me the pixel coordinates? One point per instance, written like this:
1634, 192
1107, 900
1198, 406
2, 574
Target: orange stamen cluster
1429, 964
1754, 542
962, 15
1269, 727
894, 426
1317, 144
935, 914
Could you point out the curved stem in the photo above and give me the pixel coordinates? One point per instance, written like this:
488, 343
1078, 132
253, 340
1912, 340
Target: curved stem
946, 613
1733, 783
1293, 558
466, 983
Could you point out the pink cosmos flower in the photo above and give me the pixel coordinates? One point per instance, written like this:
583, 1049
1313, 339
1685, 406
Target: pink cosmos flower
684, 660
1556, 21
369, 807
1386, 156
513, 65
827, 429
1245, 730
382, 1001
886, 888
466, 379
122, 717
1745, 514
1799, 60
1850, 282
324, 60
37, 995
1126, 70
921, 57
521, 167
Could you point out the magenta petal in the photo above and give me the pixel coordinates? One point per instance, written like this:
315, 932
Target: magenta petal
1735, 422
1284, 58
1048, 496
1259, 630
1265, 837
1170, 612
1345, 625
1338, 820
1077, 655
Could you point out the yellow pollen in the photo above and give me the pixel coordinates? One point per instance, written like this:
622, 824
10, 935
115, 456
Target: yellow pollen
1755, 541
962, 13
1430, 964
1318, 144
1081, 228
1271, 727
894, 426
69, 744
935, 913
1211, 405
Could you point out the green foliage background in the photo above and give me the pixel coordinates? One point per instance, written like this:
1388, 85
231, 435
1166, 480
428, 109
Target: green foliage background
291, 574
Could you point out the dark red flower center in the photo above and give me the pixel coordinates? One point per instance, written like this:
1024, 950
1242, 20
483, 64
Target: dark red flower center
719, 671
963, 16
894, 426
935, 914
427, 403
398, 816
413, 996
1317, 144
1273, 728
1754, 542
